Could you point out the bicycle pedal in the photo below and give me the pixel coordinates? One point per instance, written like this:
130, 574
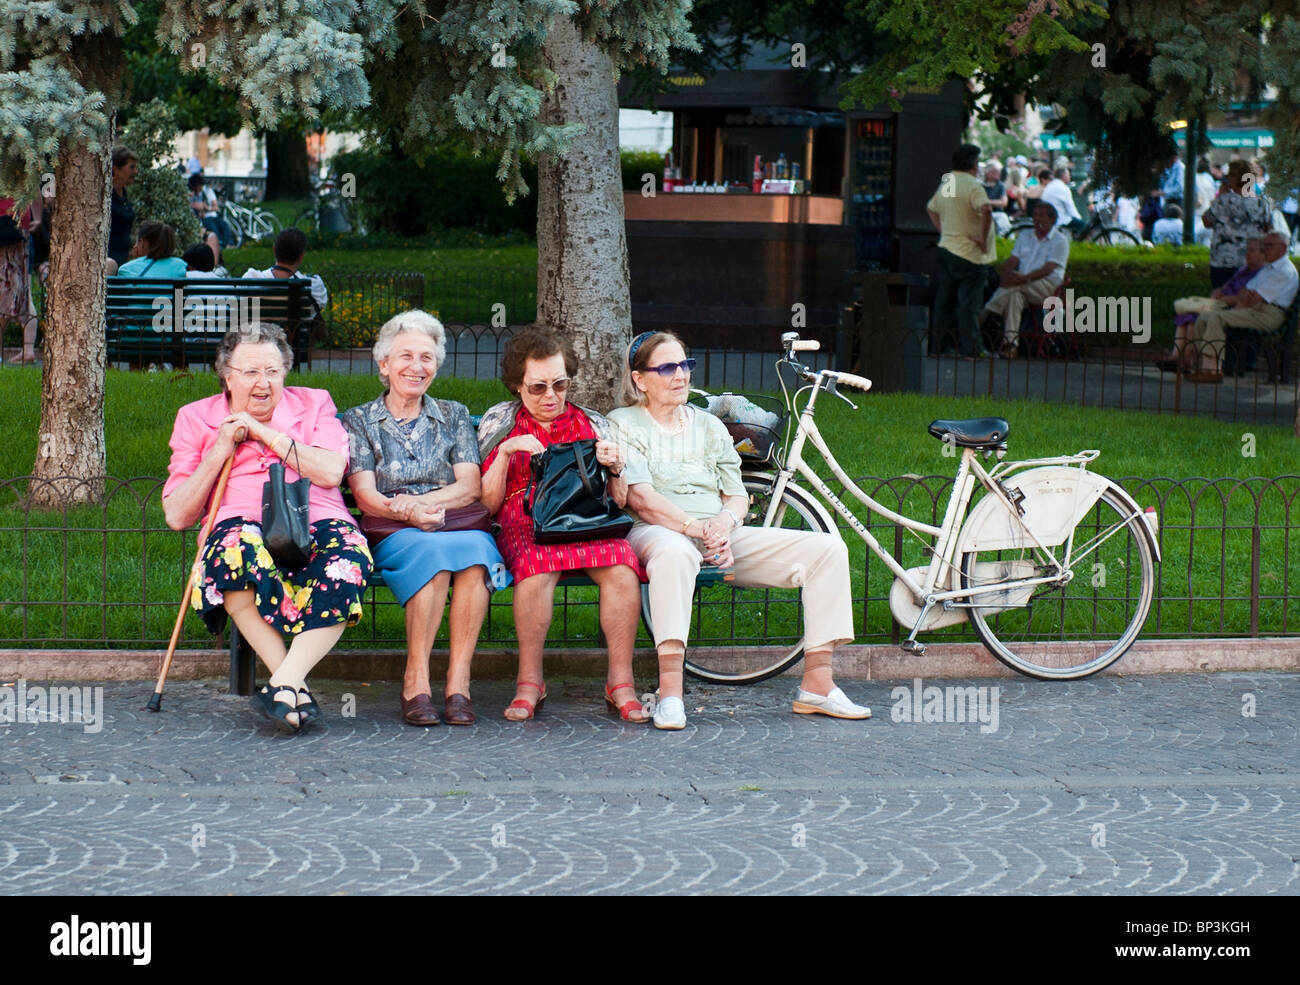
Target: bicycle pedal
914, 646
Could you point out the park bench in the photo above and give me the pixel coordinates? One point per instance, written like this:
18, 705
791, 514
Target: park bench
243, 662
182, 321
1242, 347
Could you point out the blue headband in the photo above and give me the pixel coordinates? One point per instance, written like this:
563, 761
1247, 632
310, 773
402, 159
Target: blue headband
636, 344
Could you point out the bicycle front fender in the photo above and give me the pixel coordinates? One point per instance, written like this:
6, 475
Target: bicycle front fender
1057, 498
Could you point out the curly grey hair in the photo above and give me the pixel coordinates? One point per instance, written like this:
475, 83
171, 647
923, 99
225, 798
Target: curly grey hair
417, 323
254, 333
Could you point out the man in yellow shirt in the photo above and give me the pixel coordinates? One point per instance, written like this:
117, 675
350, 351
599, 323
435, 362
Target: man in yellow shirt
961, 212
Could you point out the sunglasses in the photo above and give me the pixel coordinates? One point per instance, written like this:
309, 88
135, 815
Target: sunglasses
666, 370
537, 389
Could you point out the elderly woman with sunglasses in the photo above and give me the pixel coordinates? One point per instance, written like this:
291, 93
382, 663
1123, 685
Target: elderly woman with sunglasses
538, 366
685, 489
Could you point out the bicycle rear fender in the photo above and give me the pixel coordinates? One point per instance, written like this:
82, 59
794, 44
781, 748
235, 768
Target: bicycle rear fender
1057, 497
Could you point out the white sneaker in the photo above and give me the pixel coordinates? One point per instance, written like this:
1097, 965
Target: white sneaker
836, 704
670, 713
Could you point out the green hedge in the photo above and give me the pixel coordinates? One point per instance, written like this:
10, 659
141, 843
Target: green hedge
636, 164
452, 189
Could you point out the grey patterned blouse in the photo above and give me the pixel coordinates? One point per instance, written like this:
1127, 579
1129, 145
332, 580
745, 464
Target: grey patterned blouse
1236, 219
416, 459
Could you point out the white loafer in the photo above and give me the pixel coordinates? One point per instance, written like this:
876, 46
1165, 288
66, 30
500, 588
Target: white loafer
836, 704
670, 714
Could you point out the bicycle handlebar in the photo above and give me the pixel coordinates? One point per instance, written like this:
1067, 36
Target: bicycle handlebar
850, 379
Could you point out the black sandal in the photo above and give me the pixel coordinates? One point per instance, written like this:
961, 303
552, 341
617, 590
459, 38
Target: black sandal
308, 711
265, 701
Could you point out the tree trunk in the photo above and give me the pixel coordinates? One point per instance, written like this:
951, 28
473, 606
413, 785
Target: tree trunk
70, 456
288, 174
582, 279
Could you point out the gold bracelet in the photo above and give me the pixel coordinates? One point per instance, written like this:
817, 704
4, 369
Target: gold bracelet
687, 525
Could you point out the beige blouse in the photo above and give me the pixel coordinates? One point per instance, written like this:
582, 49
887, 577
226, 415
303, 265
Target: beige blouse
694, 470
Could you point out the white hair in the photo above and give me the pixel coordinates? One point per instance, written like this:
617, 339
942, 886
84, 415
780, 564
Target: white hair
416, 323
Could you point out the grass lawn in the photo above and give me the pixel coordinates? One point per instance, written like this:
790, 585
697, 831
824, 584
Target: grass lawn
78, 574
463, 279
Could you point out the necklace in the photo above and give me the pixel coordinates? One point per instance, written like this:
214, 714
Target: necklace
679, 422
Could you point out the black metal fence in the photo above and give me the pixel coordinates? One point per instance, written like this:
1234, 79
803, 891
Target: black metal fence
111, 576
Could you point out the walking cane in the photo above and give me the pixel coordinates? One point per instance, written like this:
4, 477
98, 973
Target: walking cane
155, 699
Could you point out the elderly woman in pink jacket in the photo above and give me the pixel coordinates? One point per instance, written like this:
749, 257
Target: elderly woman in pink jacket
260, 421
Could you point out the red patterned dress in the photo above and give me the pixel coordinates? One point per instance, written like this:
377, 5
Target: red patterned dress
523, 556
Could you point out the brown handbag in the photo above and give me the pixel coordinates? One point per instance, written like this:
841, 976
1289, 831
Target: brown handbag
475, 516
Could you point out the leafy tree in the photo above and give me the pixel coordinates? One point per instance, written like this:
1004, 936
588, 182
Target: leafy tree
62, 69
196, 97
538, 78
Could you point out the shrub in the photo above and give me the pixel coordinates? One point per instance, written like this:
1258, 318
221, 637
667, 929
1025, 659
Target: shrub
452, 189
159, 190
636, 164
355, 317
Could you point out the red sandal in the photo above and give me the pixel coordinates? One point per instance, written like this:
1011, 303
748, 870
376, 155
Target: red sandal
626, 710
531, 707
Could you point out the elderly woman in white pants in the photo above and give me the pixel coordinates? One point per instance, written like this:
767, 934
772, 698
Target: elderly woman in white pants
685, 490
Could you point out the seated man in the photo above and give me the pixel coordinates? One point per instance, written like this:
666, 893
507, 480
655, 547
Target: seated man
1031, 274
289, 248
1056, 192
1259, 307
1183, 358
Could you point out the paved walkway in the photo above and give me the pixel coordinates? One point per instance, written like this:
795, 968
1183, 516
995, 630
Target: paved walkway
1142, 785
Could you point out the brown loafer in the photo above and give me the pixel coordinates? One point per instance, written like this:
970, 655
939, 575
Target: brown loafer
419, 710
458, 710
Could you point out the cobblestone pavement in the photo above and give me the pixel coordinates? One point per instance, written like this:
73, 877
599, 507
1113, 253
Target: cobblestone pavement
1117, 785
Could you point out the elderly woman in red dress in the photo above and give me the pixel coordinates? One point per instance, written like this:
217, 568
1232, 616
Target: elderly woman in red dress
538, 366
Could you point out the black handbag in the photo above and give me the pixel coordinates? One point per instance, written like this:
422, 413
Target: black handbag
568, 496
285, 523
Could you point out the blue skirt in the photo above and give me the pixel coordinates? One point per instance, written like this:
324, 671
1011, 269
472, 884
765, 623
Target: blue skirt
410, 558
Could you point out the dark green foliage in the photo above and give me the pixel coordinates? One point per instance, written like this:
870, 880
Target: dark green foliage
636, 164
452, 189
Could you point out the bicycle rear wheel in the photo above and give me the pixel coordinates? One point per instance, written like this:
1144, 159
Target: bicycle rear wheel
1116, 236
762, 627
1069, 630
236, 229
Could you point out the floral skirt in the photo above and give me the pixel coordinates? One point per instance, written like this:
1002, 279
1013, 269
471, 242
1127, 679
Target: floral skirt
326, 591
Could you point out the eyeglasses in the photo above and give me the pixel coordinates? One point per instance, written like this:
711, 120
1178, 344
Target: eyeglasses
272, 374
666, 370
537, 389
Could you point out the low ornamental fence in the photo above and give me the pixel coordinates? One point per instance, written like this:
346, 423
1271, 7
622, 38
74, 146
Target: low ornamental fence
111, 576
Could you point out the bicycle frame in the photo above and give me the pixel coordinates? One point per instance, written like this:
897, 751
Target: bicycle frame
947, 536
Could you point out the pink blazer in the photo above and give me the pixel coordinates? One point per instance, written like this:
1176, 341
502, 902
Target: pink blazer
307, 416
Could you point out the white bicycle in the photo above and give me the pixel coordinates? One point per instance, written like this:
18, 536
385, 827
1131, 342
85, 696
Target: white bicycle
1053, 565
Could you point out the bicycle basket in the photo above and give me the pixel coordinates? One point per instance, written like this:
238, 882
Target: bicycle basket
756, 422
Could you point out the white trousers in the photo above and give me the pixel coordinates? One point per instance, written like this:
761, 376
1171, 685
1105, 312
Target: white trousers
1010, 303
818, 563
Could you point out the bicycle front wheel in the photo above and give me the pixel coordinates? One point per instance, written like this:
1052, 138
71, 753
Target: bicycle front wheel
1082, 623
758, 632
266, 225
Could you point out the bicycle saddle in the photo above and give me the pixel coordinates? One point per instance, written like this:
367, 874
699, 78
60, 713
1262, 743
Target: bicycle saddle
977, 432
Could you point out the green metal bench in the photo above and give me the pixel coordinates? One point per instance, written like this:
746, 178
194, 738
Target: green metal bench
243, 662
182, 321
